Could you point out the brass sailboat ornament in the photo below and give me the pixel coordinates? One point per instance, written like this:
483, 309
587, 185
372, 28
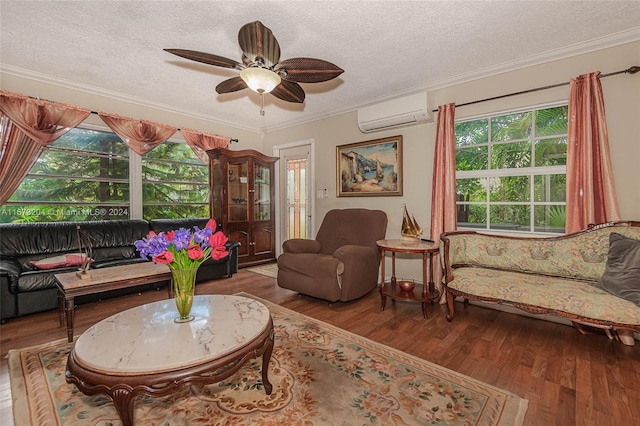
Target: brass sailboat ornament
411, 231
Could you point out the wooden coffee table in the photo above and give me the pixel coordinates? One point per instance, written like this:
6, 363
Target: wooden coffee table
143, 351
105, 279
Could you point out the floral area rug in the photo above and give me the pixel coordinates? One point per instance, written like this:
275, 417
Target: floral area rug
270, 270
321, 375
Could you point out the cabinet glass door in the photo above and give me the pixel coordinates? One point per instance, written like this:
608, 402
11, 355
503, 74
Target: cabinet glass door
238, 192
262, 196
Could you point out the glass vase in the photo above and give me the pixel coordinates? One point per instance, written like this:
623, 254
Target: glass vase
184, 285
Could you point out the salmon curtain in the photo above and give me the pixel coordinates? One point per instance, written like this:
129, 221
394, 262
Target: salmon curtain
201, 142
140, 135
443, 196
591, 194
27, 126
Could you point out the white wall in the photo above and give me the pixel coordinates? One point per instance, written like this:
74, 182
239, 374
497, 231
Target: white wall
622, 103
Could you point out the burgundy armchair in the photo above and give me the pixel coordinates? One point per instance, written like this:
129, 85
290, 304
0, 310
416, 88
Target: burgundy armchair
341, 263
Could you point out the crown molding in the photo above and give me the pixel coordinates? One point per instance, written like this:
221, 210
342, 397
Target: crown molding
612, 40
623, 37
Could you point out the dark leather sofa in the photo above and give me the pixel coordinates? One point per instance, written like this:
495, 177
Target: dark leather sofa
25, 289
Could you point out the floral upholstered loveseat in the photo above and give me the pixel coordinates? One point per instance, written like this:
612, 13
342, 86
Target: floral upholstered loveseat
557, 276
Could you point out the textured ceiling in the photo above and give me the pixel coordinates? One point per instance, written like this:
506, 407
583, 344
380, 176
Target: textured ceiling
387, 48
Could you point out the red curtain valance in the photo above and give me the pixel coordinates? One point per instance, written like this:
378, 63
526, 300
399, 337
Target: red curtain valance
41, 120
201, 142
140, 135
27, 125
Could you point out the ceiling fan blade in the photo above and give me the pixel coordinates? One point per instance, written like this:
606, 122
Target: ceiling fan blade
289, 91
206, 58
231, 85
307, 70
258, 44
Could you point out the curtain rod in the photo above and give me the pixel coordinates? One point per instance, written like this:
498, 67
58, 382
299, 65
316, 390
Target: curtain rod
634, 69
232, 140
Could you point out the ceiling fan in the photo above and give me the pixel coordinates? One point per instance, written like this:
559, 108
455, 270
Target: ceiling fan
261, 69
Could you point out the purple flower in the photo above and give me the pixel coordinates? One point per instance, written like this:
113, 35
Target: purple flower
152, 245
143, 247
201, 236
181, 239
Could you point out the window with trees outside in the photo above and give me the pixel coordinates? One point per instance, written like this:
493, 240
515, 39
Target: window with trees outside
511, 171
87, 175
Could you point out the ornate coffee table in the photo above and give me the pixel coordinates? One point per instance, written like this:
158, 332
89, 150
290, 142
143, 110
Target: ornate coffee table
143, 351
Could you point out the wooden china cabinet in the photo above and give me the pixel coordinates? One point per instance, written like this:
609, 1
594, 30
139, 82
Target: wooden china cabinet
242, 200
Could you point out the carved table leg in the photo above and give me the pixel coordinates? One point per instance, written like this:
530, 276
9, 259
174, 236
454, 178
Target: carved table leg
69, 313
426, 277
266, 357
123, 401
61, 307
383, 287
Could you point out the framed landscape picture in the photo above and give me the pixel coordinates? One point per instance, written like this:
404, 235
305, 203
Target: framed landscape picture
371, 168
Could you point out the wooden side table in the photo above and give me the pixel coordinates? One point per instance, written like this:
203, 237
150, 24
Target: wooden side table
391, 289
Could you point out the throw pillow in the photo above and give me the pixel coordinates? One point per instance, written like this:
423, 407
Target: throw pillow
50, 262
622, 274
75, 259
62, 261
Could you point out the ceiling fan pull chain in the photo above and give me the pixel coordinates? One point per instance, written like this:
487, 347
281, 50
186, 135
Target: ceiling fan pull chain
262, 104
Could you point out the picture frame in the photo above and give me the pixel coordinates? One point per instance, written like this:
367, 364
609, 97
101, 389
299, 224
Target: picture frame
370, 169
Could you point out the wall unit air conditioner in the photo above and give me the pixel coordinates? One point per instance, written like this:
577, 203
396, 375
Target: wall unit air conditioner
399, 112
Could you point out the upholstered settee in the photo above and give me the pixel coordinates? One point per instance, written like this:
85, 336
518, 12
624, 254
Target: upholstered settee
341, 263
590, 277
32, 253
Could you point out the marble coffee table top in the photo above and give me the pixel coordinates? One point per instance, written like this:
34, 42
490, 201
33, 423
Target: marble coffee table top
145, 339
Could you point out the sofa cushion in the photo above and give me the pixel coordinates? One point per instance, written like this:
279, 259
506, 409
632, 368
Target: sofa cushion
622, 274
563, 295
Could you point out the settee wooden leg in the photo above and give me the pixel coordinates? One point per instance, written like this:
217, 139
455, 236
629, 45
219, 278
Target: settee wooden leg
579, 327
450, 307
626, 337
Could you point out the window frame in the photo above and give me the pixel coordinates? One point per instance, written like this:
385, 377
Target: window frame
531, 172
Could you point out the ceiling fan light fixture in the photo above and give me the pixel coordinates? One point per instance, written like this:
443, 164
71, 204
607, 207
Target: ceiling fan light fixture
260, 80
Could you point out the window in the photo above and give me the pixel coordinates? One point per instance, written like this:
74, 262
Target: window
85, 175
511, 171
175, 183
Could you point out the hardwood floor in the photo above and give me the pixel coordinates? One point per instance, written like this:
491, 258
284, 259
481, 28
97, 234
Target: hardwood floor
569, 379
